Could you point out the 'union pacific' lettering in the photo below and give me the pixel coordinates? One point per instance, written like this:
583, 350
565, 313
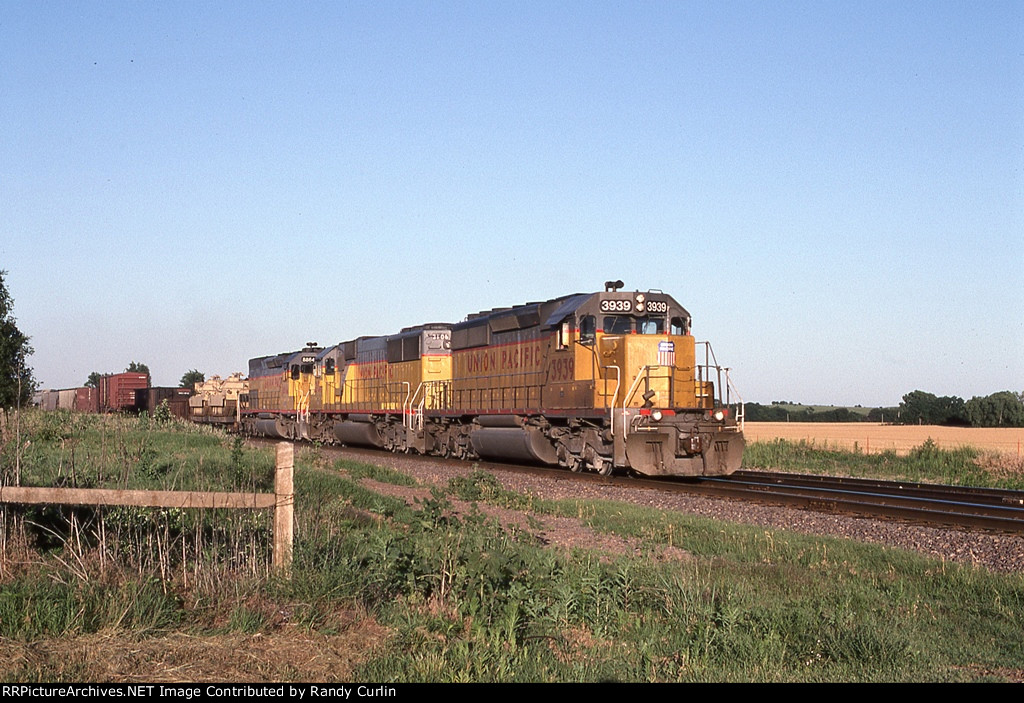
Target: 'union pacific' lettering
481, 362
523, 357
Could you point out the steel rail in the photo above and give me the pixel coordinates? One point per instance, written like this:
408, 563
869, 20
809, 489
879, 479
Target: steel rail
979, 494
938, 505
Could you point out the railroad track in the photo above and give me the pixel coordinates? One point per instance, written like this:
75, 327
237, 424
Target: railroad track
926, 504
929, 504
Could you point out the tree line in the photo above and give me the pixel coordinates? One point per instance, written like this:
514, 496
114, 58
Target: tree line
1002, 409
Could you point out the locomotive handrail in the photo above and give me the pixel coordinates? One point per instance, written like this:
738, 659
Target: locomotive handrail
632, 390
740, 406
408, 392
709, 354
711, 362
611, 407
302, 408
408, 402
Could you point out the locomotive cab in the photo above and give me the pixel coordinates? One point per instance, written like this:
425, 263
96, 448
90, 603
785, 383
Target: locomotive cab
666, 410
280, 391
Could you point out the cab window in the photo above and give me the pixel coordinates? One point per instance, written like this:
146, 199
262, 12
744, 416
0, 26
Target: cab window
564, 335
650, 325
678, 326
615, 324
588, 329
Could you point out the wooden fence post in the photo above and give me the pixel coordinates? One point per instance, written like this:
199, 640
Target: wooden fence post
284, 508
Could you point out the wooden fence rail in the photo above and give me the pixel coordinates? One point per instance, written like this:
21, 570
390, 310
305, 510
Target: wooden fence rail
282, 500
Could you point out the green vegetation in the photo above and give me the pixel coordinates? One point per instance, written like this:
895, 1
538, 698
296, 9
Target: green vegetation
781, 411
359, 470
964, 466
137, 367
112, 451
1002, 409
16, 380
464, 597
191, 377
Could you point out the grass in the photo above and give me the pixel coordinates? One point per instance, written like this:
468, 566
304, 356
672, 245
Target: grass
963, 466
452, 595
113, 451
750, 605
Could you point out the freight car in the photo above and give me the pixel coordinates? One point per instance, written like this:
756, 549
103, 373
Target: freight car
119, 392
590, 381
216, 400
150, 399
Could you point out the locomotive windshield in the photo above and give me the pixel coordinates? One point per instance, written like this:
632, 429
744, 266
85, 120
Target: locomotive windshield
650, 325
623, 324
618, 324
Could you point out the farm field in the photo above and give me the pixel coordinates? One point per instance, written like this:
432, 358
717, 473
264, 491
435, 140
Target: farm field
873, 438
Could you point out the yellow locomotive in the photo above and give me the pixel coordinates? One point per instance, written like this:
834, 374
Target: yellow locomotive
597, 381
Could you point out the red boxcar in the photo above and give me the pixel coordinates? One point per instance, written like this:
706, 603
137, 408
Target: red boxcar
117, 391
87, 400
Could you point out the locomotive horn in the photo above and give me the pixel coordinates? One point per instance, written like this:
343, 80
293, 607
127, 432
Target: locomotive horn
612, 286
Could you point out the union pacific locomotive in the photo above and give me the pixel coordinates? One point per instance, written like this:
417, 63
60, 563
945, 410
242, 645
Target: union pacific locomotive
590, 381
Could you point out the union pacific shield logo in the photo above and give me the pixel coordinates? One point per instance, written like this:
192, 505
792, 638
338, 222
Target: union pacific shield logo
666, 353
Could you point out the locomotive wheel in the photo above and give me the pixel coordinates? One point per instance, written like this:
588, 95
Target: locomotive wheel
574, 463
601, 465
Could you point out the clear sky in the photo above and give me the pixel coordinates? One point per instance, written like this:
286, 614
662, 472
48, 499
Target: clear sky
833, 190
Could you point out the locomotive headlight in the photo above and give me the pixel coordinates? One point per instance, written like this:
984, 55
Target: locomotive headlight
719, 415
656, 416
639, 307
640, 297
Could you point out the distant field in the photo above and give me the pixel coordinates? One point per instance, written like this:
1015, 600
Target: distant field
872, 438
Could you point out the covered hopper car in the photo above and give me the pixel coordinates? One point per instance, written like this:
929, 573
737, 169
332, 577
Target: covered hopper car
590, 381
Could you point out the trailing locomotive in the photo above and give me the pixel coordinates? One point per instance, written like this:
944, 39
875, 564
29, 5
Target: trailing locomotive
596, 381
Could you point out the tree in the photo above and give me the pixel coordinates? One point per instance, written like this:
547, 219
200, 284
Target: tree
191, 378
136, 367
919, 407
1003, 409
94, 380
16, 381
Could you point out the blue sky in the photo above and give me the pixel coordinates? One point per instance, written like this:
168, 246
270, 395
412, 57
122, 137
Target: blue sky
833, 190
